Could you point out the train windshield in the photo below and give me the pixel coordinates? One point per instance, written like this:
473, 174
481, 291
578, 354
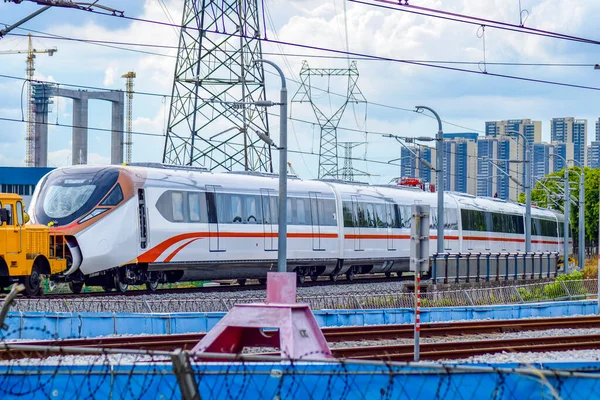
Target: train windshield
69, 194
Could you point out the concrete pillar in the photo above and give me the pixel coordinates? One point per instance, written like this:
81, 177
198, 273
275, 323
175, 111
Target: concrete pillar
118, 127
40, 158
79, 152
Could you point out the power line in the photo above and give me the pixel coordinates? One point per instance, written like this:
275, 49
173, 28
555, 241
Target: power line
351, 53
472, 20
116, 44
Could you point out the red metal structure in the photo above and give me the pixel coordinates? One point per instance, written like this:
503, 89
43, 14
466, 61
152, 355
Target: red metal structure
279, 322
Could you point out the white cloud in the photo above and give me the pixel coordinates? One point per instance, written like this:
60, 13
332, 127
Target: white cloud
109, 76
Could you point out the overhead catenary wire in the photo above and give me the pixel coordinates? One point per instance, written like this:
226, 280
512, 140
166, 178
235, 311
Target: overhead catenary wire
351, 53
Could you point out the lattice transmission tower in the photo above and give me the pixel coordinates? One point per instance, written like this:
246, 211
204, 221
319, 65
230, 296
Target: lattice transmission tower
348, 172
328, 148
213, 71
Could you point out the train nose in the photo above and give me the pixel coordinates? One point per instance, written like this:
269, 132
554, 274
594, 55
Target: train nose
76, 257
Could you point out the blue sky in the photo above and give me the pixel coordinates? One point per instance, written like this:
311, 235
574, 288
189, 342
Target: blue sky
464, 99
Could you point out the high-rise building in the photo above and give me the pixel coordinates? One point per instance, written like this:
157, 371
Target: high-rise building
573, 132
593, 150
412, 167
564, 150
532, 131
460, 162
494, 167
543, 163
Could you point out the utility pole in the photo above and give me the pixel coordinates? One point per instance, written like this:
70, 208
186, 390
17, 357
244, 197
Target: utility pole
566, 208
130, 76
439, 146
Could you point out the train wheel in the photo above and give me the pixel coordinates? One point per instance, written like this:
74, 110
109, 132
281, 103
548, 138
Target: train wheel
350, 275
33, 283
262, 281
241, 282
76, 287
301, 279
333, 278
120, 286
152, 285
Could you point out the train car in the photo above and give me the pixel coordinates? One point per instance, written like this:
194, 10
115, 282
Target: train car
151, 223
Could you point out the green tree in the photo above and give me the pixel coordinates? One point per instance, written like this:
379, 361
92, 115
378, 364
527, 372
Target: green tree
548, 193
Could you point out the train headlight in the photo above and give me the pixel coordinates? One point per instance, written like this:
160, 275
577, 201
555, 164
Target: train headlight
93, 214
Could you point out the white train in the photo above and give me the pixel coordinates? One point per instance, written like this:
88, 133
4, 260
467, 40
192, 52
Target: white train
147, 224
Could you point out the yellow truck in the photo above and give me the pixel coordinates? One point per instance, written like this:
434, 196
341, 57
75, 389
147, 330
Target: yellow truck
27, 251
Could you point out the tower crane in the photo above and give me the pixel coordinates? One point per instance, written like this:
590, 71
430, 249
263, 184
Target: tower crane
30, 62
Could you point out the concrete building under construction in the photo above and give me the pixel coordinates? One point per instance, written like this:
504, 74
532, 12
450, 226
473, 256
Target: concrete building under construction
42, 98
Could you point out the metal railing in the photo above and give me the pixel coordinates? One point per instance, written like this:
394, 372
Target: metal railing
467, 267
513, 294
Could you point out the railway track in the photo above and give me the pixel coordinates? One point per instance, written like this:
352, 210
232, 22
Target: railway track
429, 351
214, 289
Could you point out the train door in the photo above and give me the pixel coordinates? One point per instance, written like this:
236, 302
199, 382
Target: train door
269, 215
389, 223
357, 223
215, 241
315, 221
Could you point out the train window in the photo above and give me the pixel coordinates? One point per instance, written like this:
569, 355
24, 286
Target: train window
327, 215
361, 211
348, 214
370, 215
406, 216
194, 206
252, 214
235, 202
474, 220
114, 197
177, 203
450, 219
211, 207
302, 211
432, 218
380, 216
397, 217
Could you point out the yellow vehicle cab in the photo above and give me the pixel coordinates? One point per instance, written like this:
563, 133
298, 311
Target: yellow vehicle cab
27, 251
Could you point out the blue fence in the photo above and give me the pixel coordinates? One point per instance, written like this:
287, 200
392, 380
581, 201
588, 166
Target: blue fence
302, 381
39, 325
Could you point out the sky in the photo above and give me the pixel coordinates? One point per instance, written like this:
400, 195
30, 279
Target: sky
463, 100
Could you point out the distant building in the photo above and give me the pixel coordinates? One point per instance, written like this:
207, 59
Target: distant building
573, 132
593, 150
460, 163
543, 163
412, 167
493, 167
21, 180
473, 136
532, 131
564, 150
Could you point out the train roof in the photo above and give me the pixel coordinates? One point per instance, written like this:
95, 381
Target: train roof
162, 175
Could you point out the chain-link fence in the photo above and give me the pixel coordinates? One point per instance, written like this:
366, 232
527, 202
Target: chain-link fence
524, 293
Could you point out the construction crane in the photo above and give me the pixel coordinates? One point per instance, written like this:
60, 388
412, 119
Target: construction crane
30, 62
130, 76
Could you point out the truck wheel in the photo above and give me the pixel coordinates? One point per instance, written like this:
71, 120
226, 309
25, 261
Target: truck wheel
33, 283
76, 287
